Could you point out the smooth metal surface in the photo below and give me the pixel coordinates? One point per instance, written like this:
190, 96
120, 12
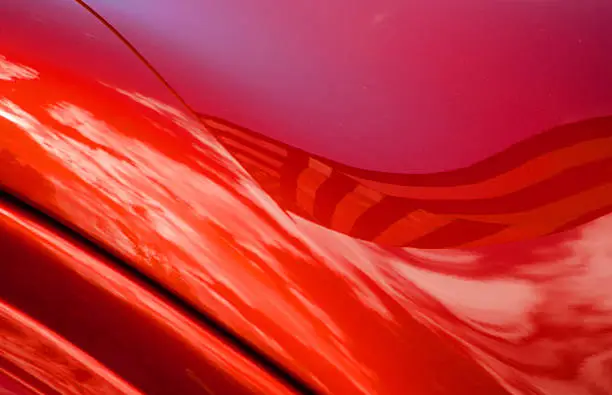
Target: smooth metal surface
415, 86
92, 138
100, 330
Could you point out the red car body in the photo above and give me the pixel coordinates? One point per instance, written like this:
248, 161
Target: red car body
142, 250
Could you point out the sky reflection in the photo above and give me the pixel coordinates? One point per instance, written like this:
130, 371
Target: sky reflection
151, 184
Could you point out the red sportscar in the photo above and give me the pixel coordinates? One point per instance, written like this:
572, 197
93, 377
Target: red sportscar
340, 197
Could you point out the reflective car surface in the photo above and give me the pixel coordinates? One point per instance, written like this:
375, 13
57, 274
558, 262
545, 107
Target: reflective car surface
169, 224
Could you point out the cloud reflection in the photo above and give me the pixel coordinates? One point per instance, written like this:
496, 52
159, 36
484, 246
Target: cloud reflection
542, 324
181, 221
10, 71
158, 190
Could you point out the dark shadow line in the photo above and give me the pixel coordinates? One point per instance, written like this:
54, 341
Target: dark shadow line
215, 327
141, 57
249, 350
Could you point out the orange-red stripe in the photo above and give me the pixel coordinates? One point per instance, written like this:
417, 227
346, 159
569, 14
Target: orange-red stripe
555, 214
275, 163
352, 206
276, 148
308, 183
508, 159
532, 172
413, 226
250, 163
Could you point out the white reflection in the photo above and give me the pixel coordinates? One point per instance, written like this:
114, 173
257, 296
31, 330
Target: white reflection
53, 360
10, 71
196, 227
176, 218
543, 324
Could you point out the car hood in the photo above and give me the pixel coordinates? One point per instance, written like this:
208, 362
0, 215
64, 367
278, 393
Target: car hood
102, 146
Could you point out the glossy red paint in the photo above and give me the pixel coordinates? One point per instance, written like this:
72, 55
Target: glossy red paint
104, 148
554, 181
415, 86
14, 385
104, 313
151, 185
37, 361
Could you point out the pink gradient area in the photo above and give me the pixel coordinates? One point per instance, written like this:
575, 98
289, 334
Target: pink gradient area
393, 85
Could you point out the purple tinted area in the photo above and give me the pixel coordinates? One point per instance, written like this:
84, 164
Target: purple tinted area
394, 85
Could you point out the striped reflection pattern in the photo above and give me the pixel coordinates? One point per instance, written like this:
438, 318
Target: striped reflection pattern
554, 181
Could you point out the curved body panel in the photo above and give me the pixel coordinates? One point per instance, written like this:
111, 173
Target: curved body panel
148, 183
117, 334
400, 86
104, 148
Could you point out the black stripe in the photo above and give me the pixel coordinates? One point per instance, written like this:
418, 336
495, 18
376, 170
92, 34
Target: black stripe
217, 327
329, 194
249, 350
